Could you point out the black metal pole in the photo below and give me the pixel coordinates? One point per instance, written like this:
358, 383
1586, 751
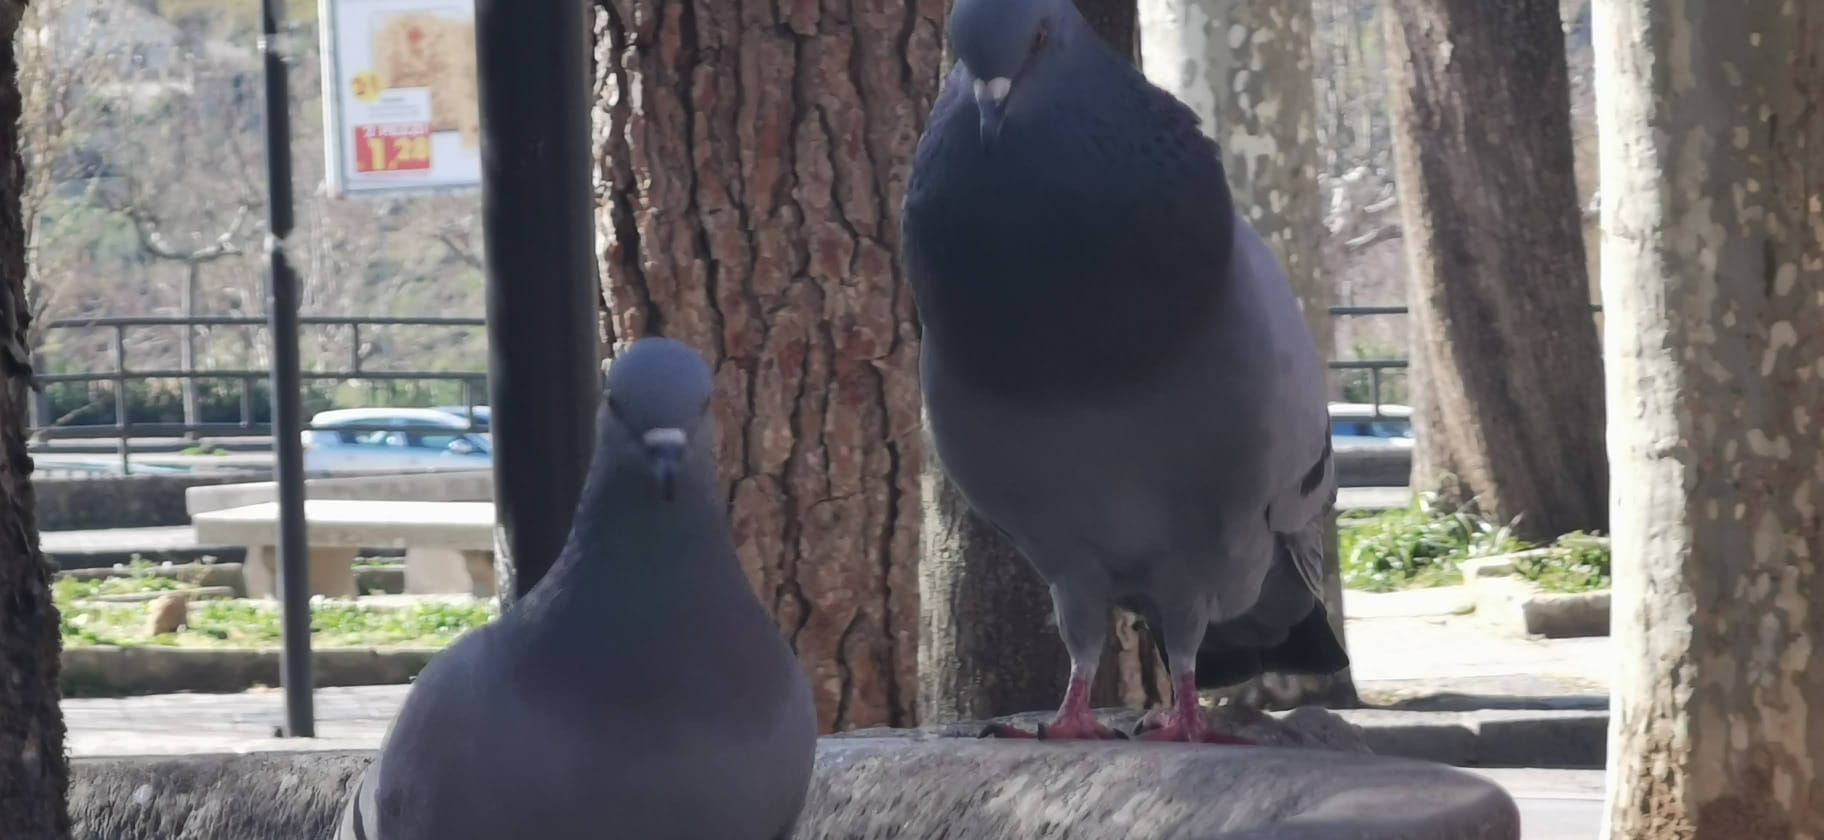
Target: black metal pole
287, 387
536, 206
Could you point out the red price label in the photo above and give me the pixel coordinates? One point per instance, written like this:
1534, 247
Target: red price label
392, 148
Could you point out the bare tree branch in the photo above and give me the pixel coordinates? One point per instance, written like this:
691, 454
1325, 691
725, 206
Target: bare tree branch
1373, 237
155, 244
456, 239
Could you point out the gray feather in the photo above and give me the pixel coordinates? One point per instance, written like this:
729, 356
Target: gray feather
1116, 371
640, 689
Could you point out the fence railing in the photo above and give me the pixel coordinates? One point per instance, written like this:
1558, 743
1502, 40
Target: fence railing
123, 429
1377, 369
43, 429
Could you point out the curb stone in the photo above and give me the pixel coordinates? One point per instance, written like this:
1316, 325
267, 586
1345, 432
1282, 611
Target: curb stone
1576, 739
1515, 604
106, 671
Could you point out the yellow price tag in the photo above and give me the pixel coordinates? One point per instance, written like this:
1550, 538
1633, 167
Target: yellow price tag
367, 86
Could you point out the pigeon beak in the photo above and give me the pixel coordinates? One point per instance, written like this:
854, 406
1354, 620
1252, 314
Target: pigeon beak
665, 453
991, 102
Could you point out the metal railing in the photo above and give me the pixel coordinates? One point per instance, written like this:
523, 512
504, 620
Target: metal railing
124, 429
42, 429
1377, 369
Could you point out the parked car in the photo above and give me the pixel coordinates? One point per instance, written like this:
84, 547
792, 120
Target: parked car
419, 438
462, 413
1359, 424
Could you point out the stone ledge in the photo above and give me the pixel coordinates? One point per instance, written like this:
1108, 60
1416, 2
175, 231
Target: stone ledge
104, 671
895, 787
195, 574
1515, 604
1570, 739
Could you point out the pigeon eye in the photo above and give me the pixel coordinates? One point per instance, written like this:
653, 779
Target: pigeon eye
1038, 38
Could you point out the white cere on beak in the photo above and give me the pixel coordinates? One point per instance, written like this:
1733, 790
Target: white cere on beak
664, 436
993, 89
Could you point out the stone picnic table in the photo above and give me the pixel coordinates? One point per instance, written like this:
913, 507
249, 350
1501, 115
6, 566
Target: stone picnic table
449, 546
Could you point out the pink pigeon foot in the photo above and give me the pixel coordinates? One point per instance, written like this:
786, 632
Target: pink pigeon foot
1074, 721
1184, 720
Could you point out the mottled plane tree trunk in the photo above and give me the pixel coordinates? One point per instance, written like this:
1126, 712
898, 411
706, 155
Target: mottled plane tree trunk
988, 643
1712, 144
34, 774
1245, 67
1507, 369
752, 157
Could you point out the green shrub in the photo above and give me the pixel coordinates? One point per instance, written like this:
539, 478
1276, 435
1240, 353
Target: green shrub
1417, 547
1575, 562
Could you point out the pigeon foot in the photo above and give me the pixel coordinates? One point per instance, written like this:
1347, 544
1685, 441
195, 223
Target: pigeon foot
1074, 728
1075, 721
1198, 732
1183, 721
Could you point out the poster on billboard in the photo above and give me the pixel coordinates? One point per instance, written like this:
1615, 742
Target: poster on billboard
399, 94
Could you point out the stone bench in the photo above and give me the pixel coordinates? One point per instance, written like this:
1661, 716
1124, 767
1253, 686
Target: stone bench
960, 789
441, 486
449, 546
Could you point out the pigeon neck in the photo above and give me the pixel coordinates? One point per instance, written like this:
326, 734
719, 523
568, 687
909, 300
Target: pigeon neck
626, 535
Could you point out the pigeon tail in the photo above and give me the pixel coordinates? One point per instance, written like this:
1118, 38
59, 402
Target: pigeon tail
1287, 631
1309, 647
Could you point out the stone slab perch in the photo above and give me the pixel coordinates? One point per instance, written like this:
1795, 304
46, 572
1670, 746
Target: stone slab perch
1318, 782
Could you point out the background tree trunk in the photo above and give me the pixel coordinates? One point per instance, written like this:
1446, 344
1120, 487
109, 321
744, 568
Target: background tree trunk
753, 158
1245, 67
988, 642
1713, 280
34, 774
1507, 368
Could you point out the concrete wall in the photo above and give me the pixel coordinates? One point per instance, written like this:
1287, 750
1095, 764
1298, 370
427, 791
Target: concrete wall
444, 486
141, 501
129, 501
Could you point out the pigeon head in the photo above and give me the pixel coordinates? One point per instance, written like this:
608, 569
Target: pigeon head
657, 408
1008, 46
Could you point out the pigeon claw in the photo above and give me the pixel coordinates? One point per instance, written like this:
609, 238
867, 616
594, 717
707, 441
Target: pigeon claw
1168, 725
1062, 729
1002, 730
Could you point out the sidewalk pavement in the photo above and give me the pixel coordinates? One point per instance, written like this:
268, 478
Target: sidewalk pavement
1413, 650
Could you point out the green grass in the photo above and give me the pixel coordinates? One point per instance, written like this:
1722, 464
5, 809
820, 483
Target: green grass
241, 623
140, 577
1418, 547
1575, 562
66, 589
1425, 546
248, 623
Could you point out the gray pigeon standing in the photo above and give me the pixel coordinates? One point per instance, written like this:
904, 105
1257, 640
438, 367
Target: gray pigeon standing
1116, 371
639, 690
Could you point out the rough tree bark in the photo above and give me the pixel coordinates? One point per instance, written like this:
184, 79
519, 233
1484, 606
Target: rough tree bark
988, 643
1507, 368
1712, 144
34, 774
1245, 67
753, 157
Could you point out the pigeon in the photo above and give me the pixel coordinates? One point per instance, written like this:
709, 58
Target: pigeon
639, 690
1116, 372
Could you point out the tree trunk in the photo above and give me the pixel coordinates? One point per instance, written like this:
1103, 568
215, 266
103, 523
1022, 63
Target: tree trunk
1713, 275
33, 771
988, 643
1507, 368
1245, 67
753, 159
